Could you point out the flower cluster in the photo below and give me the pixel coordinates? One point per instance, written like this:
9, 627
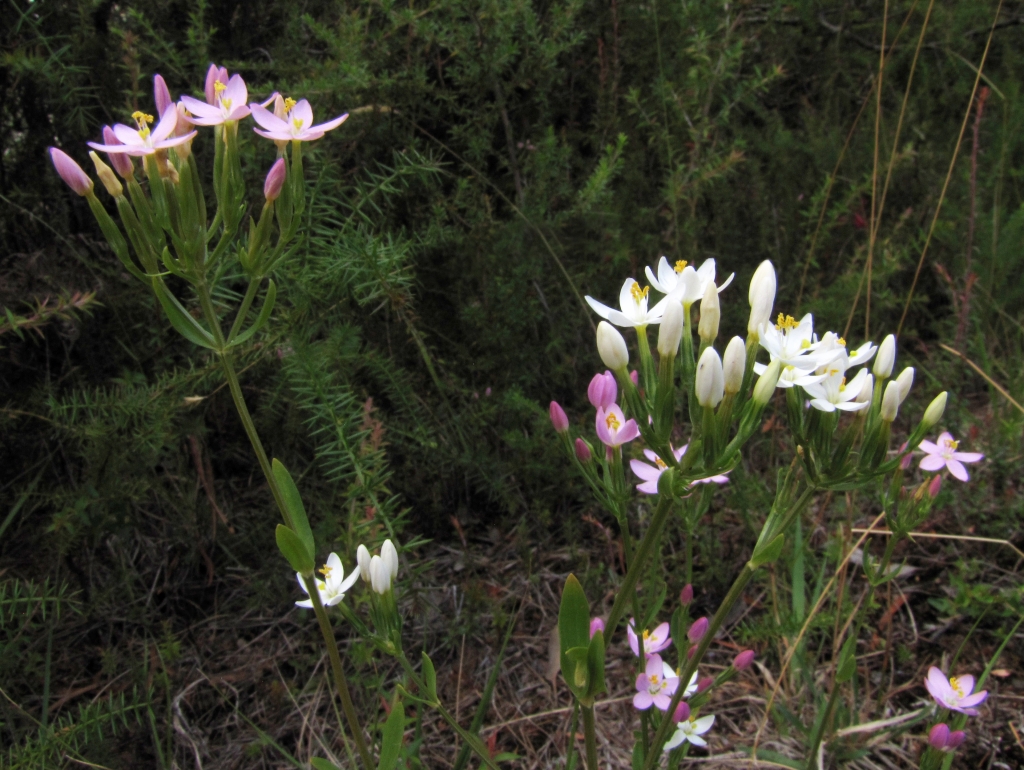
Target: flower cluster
955, 694
379, 571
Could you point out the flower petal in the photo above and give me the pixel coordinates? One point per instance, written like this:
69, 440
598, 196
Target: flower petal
330, 125
696, 740
957, 469
975, 699
303, 113
932, 463
702, 725
968, 457
268, 120
127, 135
642, 700
645, 471
928, 447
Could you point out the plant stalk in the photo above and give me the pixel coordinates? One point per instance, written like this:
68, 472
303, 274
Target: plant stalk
590, 736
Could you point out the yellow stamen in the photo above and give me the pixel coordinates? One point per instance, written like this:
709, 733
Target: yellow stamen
141, 120
955, 684
219, 87
804, 344
612, 422
786, 322
661, 464
289, 103
842, 342
951, 444
638, 293
680, 265
653, 678
325, 571
647, 635
842, 385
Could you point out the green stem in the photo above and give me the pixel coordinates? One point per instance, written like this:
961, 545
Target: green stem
250, 295
819, 729
570, 760
590, 736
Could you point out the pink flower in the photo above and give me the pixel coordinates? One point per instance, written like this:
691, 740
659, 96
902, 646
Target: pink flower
682, 712
697, 630
229, 103
582, 451
954, 693
686, 595
651, 473
613, 428
653, 687
942, 739
122, 163
555, 412
70, 172
596, 624
944, 454
654, 641
743, 660
141, 141
161, 95
296, 125
214, 75
603, 390
275, 181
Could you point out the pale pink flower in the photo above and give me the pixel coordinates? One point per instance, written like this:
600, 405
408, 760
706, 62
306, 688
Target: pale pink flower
613, 428
558, 419
122, 163
603, 390
275, 181
214, 75
296, 125
596, 624
653, 687
944, 454
229, 103
70, 172
161, 95
651, 473
654, 641
141, 140
954, 693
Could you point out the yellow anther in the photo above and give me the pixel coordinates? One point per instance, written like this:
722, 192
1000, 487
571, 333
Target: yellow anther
804, 344
638, 293
842, 385
786, 322
955, 684
653, 678
325, 571
951, 444
297, 122
647, 635
218, 86
661, 464
680, 265
140, 117
289, 103
842, 342
612, 422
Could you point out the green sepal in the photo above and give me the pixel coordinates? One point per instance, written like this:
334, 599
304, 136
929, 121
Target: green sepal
595, 665
294, 550
429, 677
261, 319
578, 659
769, 552
573, 629
391, 737
847, 661
183, 322
293, 505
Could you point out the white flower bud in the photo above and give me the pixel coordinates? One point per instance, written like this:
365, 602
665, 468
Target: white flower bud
380, 575
765, 385
905, 380
363, 560
612, 347
106, 175
891, 401
710, 379
710, 314
389, 555
933, 413
885, 358
734, 362
866, 391
761, 296
671, 331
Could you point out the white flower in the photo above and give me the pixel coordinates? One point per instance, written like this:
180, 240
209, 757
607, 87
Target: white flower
710, 379
671, 332
682, 282
380, 575
791, 343
334, 585
691, 730
612, 347
832, 342
761, 296
363, 560
733, 363
633, 310
886, 357
389, 555
833, 392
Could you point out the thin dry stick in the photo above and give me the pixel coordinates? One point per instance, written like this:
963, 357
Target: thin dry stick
939, 536
952, 165
803, 630
980, 371
875, 212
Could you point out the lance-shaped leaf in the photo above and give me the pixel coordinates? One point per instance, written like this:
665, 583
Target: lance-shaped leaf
182, 321
573, 632
391, 737
293, 505
294, 550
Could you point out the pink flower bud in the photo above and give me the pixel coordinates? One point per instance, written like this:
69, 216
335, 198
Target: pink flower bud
121, 162
697, 630
743, 660
70, 172
908, 459
602, 390
686, 595
583, 451
704, 683
635, 377
596, 624
161, 95
682, 712
557, 414
275, 181
938, 736
213, 75
955, 739
935, 485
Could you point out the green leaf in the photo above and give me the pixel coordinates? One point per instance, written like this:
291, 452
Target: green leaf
429, 677
261, 320
294, 550
322, 764
391, 737
768, 553
183, 322
573, 627
595, 665
847, 661
293, 505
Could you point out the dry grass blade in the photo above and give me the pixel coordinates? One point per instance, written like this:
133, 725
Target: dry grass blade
939, 536
1002, 391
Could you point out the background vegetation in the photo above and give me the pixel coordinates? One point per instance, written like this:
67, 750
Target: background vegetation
502, 159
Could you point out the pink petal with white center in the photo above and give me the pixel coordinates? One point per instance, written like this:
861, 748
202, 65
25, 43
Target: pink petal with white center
235, 93
330, 125
267, 119
957, 469
203, 114
238, 113
932, 463
127, 135
977, 698
655, 667
929, 447
175, 141
938, 686
944, 438
662, 701
165, 127
642, 700
628, 432
302, 113
645, 471
968, 457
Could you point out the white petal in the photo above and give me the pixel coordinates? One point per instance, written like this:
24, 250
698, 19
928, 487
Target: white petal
598, 307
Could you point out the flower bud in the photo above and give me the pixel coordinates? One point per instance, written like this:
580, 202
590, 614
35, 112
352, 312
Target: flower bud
389, 555
934, 485
363, 560
761, 297
106, 176
213, 75
710, 314
682, 712
743, 660
121, 162
704, 683
380, 575
885, 358
612, 347
634, 377
583, 453
671, 332
686, 595
866, 391
602, 390
710, 385
733, 363
697, 630
558, 418
765, 385
933, 413
956, 737
161, 95
908, 458
905, 381
596, 624
938, 736
275, 180
70, 172
890, 401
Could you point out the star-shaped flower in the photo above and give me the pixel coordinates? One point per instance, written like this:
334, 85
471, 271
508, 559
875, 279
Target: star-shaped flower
333, 586
954, 693
682, 282
944, 454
